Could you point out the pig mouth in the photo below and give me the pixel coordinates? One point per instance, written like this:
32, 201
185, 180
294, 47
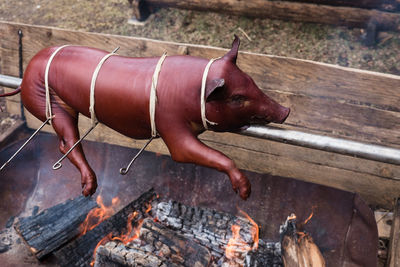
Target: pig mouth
259, 120
255, 120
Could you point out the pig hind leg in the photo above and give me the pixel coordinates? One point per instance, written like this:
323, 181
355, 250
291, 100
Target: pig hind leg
66, 126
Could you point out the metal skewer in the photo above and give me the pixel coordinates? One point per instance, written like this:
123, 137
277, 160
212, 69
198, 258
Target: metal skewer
26, 142
124, 171
58, 164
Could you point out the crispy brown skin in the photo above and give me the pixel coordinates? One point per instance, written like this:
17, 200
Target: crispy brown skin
122, 103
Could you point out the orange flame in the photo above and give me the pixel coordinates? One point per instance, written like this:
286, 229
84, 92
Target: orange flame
254, 230
237, 244
309, 218
311, 215
124, 238
234, 242
131, 232
101, 242
98, 215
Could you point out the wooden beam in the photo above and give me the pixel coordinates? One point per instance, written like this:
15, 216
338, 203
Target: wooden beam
54, 227
378, 4
304, 12
394, 245
384, 221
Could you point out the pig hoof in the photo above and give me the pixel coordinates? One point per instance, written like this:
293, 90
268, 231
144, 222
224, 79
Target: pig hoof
245, 190
89, 186
241, 183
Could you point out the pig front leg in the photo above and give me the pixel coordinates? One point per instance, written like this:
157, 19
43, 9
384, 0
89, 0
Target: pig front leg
65, 125
185, 147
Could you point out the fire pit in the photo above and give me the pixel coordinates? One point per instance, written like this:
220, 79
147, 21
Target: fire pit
342, 225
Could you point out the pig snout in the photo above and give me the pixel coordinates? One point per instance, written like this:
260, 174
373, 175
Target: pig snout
282, 114
271, 111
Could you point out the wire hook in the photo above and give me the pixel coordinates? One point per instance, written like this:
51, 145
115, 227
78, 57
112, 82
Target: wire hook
58, 164
26, 142
124, 171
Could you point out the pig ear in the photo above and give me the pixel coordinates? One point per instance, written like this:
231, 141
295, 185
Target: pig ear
212, 88
232, 54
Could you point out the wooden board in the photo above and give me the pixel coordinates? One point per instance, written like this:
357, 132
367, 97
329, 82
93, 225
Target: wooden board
306, 12
325, 99
394, 246
384, 221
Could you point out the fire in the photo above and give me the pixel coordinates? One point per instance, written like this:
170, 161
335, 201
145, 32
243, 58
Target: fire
98, 215
311, 215
236, 242
130, 234
101, 242
254, 230
309, 218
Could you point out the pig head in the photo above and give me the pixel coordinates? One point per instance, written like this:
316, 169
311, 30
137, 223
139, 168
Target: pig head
122, 95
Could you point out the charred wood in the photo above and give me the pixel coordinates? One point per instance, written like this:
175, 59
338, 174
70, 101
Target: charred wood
54, 227
267, 254
80, 251
179, 249
213, 229
116, 254
298, 248
156, 244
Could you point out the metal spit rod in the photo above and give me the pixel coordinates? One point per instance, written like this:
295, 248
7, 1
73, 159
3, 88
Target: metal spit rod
10, 81
298, 138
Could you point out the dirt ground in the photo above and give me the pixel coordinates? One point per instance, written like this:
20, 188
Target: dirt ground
324, 43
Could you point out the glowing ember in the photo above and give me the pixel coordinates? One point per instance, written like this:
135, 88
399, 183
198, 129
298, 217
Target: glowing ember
97, 215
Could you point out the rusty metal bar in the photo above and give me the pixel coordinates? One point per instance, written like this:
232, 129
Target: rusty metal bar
297, 138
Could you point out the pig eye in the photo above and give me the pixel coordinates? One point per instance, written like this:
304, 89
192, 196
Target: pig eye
238, 99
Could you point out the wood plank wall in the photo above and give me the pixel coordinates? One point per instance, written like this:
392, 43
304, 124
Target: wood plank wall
325, 99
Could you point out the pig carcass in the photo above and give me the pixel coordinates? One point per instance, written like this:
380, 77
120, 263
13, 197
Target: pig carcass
232, 101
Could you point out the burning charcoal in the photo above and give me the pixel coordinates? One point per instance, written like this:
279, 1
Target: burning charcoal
156, 246
211, 229
298, 248
170, 244
267, 254
113, 255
